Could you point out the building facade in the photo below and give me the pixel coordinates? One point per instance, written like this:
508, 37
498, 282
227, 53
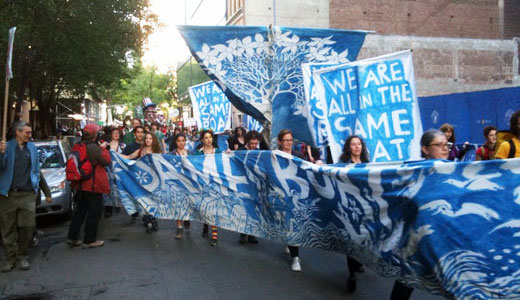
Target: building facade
458, 45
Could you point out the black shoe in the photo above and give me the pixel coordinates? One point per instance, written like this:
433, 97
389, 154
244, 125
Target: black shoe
205, 231
108, 211
360, 268
149, 228
243, 239
213, 242
155, 225
252, 240
8, 267
351, 283
187, 225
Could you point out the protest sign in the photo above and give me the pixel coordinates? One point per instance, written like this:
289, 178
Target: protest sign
211, 107
314, 112
251, 124
375, 99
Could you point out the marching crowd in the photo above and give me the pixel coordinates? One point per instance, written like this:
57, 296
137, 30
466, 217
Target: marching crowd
21, 179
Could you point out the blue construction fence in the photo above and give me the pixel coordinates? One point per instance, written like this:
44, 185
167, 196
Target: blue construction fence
470, 112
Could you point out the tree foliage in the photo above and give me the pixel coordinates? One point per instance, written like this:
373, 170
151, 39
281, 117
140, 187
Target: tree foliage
145, 82
65, 48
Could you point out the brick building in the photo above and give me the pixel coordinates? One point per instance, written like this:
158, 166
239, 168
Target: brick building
458, 45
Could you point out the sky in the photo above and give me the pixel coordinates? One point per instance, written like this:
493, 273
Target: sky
165, 47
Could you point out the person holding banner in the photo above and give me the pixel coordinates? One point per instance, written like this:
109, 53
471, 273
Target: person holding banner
112, 200
434, 145
149, 146
178, 148
206, 140
354, 152
487, 151
285, 144
455, 152
252, 140
510, 148
237, 140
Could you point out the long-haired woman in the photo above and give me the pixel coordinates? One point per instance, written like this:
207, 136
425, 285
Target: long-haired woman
455, 152
206, 140
354, 152
178, 148
111, 200
150, 145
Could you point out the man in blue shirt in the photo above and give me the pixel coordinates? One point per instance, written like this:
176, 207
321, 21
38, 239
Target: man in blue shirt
19, 184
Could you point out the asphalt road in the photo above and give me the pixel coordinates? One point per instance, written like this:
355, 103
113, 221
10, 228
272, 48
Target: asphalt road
136, 265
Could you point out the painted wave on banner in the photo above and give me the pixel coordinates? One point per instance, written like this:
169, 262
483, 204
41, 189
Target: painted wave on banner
211, 107
376, 99
449, 228
259, 68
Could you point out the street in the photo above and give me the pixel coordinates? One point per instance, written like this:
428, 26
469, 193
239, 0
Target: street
136, 265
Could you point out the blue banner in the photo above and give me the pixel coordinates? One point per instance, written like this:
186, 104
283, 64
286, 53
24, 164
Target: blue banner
375, 99
445, 227
259, 68
211, 107
314, 112
251, 124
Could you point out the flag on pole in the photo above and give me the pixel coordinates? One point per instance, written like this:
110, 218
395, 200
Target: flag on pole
9, 70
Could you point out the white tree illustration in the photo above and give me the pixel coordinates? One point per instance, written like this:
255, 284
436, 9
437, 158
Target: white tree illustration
259, 68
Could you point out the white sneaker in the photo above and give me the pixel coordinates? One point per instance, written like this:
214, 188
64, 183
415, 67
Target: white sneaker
296, 264
287, 251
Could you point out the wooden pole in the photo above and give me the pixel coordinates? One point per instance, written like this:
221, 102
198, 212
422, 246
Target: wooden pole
6, 107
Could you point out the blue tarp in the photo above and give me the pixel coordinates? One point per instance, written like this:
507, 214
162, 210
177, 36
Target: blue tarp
470, 112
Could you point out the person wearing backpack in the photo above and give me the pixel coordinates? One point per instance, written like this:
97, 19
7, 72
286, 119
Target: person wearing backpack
86, 171
511, 148
20, 180
487, 151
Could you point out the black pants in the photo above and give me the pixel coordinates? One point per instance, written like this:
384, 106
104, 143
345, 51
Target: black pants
353, 265
89, 205
294, 250
401, 291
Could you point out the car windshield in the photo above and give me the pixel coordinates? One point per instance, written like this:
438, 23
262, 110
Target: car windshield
50, 157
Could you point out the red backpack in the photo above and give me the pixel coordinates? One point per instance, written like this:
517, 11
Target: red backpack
78, 168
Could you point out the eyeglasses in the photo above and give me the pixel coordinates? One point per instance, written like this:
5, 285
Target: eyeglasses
442, 145
287, 140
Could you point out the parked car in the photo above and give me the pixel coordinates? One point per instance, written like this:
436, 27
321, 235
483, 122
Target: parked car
52, 164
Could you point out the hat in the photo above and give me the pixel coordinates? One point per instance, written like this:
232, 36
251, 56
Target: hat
147, 102
91, 129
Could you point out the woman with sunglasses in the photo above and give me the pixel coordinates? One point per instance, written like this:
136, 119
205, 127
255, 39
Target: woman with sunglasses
434, 145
